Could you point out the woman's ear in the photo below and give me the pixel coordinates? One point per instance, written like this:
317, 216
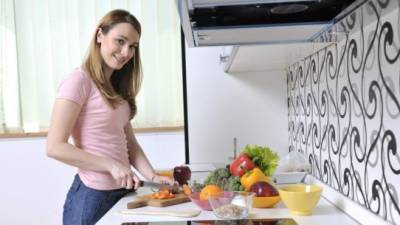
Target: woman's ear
99, 35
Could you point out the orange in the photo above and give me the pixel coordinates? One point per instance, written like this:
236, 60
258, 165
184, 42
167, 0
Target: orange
210, 191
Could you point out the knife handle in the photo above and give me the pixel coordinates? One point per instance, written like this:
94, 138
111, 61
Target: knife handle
141, 183
133, 189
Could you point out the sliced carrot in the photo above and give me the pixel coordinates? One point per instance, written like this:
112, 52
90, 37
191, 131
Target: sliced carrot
155, 195
162, 194
186, 189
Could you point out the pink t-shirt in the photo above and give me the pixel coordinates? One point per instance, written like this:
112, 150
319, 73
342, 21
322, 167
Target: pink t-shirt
99, 128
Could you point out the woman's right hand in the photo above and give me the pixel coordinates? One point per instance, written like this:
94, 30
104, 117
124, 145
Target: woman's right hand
123, 175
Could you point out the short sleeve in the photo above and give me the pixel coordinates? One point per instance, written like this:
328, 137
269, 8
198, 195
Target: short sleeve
75, 87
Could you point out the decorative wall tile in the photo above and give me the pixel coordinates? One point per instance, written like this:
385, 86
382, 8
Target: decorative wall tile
344, 108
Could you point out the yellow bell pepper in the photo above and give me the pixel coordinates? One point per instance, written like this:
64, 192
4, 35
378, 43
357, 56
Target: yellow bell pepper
251, 177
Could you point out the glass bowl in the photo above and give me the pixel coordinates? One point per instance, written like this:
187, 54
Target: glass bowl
235, 205
204, 204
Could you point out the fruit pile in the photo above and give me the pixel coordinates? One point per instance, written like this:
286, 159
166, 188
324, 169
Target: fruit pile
254, 166
250, 171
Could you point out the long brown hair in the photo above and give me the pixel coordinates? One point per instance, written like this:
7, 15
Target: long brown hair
125, 82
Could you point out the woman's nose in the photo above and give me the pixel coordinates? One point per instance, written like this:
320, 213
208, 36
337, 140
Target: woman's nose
125, 51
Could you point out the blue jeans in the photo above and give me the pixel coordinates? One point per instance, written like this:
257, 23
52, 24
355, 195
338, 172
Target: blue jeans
85, 206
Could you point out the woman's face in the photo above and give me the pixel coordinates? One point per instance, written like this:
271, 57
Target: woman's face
117, 47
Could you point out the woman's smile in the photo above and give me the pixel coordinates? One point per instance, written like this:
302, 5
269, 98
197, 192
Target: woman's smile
121, 60
117, 46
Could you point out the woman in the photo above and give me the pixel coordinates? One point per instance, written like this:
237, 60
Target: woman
94, 105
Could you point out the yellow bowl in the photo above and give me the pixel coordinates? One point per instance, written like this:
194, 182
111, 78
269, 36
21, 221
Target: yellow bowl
301, 199
265, 202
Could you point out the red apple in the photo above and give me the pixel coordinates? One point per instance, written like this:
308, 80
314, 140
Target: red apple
263, 189
182, 174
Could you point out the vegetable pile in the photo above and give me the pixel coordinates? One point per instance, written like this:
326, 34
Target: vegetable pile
222, 178
263, 157
254, 164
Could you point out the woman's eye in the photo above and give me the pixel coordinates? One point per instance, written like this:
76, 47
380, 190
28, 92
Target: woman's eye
120, 42
132, 47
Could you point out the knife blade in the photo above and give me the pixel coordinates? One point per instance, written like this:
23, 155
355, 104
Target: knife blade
172, 188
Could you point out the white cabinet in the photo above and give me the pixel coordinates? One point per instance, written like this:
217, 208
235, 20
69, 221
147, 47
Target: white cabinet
258, 58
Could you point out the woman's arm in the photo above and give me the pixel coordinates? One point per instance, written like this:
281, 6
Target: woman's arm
138, 159
63, 119
64, 116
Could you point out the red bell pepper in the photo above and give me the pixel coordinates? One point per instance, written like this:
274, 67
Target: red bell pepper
241, 165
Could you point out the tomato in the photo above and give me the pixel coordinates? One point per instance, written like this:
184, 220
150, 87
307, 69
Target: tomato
241, 165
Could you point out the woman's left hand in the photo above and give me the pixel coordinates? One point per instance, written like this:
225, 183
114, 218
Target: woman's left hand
162, 180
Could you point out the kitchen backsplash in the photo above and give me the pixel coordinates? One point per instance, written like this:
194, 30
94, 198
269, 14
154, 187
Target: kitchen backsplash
344, 108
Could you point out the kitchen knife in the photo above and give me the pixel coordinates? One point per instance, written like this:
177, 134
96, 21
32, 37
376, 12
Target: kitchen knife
154, 185
150, 184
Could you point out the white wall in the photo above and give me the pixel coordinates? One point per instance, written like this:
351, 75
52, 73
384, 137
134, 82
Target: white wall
251, 107
33, 186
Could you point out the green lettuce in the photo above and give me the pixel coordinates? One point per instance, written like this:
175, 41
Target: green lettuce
262, 157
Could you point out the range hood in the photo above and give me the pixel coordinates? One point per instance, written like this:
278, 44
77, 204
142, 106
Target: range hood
246, 22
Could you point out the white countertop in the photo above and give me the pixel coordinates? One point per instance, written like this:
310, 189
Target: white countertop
324, 213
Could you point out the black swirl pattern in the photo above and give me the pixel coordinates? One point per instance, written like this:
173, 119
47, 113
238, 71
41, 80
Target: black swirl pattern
344, 108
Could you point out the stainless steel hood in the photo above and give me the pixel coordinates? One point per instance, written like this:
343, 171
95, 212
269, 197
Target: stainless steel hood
245, 22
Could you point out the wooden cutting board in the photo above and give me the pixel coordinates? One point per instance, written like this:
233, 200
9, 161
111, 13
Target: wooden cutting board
146, 200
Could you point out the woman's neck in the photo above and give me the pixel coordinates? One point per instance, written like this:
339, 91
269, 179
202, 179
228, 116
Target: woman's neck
107, 72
